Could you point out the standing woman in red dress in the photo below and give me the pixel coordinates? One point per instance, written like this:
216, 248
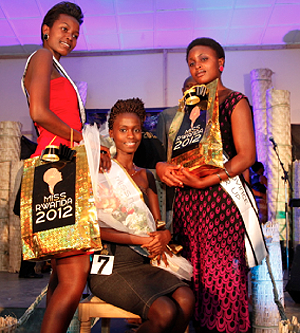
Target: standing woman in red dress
53, 106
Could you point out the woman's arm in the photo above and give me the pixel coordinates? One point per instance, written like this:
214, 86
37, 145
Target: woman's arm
150, 243
161, 238
244, 142
37, 83
244, 139
259, 194
112, 235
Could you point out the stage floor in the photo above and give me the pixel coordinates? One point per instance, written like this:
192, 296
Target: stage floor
16, 295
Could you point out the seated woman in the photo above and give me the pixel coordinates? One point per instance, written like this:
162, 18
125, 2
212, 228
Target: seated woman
164, 302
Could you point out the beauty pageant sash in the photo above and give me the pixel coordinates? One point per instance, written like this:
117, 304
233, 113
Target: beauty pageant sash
60, 68
256, 249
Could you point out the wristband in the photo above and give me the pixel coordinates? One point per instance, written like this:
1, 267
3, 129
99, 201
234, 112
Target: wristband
227, 173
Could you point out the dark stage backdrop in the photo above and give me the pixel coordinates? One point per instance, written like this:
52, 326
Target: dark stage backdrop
98, 116
296, 142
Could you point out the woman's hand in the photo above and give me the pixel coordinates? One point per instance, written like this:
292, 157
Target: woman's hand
158, 242
167, 174
160, 257
192, 180
263, 180
158, 246
161, 240
189, 179
105, 159
196, 181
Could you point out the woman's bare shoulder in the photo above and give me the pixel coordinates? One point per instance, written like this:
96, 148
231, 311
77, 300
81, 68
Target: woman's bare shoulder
43, 54
42, 57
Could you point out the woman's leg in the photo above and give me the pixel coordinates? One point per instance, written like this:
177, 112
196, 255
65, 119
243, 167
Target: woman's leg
170, 314
72, 275
161, 316
185, 300
52, 282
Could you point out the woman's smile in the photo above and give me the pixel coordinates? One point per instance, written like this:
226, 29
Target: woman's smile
65, 44
130, 143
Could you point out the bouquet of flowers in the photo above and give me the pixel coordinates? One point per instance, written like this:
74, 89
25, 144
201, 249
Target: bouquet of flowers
120, 203
117, 212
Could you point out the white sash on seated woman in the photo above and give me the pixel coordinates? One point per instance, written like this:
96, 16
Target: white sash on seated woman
120, 204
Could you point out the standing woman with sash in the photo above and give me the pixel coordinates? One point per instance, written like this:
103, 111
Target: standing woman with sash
206, 221
54, 107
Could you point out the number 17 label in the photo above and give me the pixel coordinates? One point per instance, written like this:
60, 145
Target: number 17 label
102, 264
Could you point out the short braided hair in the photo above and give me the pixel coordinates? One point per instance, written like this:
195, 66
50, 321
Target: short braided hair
131, 105
64, 7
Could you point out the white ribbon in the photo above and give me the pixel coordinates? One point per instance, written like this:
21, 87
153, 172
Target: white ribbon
65, 74
242, 196
117, 193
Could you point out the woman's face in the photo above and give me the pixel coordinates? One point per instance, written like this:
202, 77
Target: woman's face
63, 35
204, 64
127, 132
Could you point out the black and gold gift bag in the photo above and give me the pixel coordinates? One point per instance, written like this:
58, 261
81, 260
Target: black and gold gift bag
200, 148
58, 212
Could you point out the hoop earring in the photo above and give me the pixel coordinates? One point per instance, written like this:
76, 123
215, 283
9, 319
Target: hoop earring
46, 37
221, 68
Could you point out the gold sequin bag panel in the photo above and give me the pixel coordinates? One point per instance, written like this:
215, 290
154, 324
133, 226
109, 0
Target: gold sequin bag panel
207, 156
58, 212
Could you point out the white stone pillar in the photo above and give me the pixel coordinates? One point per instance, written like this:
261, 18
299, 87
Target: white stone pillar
261, 80
265, 314
279, 128
10, 241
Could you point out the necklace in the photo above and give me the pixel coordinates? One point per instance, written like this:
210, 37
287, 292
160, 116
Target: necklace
133, 171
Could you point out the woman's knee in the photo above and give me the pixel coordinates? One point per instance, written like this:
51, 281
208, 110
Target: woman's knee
185, 298
163, 312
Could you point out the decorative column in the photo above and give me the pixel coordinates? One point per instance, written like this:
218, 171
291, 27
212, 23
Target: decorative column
4, 205
261, 80
10, 237
279, 128
265, 314
269, 120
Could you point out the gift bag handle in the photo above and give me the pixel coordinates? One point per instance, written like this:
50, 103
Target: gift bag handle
71, 139
52, 140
